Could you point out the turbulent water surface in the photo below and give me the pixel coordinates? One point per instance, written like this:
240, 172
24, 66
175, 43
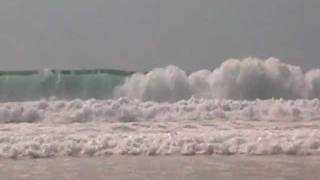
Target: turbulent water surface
248, 107
127, 127
247, 79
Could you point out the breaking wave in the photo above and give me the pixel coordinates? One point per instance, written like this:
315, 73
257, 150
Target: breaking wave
247, 79
248, 106
67, 84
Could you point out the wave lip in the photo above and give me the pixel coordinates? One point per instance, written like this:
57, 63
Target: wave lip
62, 84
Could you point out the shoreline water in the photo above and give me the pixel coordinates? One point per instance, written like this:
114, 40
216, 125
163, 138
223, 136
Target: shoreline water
164, 167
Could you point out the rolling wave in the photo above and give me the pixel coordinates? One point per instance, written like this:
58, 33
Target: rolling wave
246, 79
66, 84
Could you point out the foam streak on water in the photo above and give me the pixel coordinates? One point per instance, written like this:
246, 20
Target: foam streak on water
130, 127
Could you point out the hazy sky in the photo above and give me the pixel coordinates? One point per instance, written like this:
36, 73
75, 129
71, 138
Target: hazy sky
141, 34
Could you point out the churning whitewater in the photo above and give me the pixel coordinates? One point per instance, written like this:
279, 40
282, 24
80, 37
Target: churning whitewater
246, 79
248, 106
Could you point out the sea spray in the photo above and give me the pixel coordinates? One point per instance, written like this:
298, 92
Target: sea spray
247, 79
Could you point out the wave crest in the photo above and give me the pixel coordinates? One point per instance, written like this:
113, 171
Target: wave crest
248, 79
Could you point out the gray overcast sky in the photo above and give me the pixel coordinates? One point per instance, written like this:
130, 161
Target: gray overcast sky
142, 34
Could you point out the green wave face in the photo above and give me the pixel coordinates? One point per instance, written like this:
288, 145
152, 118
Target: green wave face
82, 84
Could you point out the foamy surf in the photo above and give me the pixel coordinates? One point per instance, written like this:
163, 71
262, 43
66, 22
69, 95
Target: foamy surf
162, 112
246, 79
45, 129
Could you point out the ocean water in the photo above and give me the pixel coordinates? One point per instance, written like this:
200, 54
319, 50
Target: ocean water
68, 84
242, 109
166, 167
247, 79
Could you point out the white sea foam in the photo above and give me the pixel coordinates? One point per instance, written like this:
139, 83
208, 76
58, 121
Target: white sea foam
246, 79
166, 111
43, 141
132, 127
126, 110
235, 79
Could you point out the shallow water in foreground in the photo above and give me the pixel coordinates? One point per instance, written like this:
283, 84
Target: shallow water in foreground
164, 167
